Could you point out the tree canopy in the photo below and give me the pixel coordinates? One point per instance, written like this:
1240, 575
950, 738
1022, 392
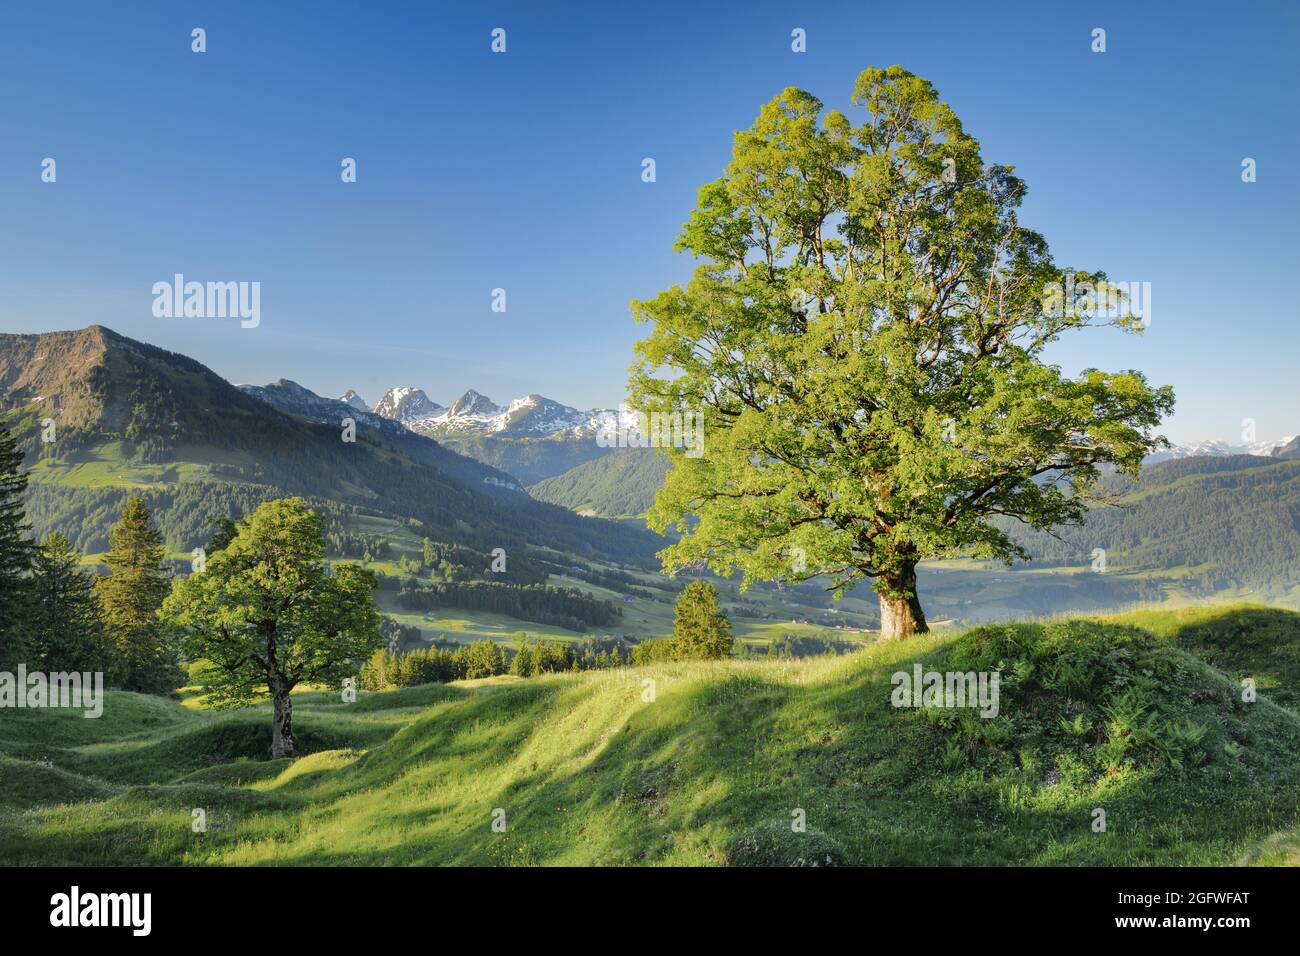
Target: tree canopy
268, 611
865, 336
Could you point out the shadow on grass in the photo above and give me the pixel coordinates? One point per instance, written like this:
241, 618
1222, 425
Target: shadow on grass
1261, 643
588, 772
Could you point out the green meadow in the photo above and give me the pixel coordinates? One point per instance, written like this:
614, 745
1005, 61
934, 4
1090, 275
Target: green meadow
1140, 716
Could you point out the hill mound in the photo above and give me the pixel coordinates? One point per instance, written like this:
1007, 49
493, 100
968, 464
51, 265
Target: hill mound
714, 763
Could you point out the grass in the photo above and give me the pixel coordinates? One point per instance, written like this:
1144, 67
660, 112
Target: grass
1133, 719
106, 466
1242, 640
467, 627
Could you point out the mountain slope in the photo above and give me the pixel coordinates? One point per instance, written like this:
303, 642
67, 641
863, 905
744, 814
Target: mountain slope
588, 773
533, 416
132, 417
529, 459
1211, 523
355, 400
1220, 522
617, 485
1218, 449
1289, 451
532, 438
292, 398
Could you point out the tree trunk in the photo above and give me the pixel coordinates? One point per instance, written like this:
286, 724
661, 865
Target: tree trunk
282, 744
900, 609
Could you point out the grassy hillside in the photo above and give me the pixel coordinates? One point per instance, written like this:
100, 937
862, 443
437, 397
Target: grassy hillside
1241, 641
621, 484
1093, 714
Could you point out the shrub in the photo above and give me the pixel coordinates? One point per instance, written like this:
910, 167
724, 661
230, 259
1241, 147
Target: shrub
775, 844
1100, 697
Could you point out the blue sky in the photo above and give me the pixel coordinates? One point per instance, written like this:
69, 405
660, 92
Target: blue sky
522, 171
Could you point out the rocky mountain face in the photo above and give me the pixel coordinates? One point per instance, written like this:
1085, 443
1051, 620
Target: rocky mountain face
531, 438
355, 400
533, 415
405, 404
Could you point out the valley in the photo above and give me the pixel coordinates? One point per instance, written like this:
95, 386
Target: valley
1195, 527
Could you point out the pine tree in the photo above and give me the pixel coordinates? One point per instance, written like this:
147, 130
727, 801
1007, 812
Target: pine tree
700, 629
16, 551
522, 665
63, 616
129, 599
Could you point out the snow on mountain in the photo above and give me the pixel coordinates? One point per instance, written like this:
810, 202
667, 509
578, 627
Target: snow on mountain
355, 400
472, 405
532, 416
536, 416
1220, 449
406, 403
289, 396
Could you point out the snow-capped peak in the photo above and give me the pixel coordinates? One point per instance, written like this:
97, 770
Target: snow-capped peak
1219, 449
406, 403
531, 415
473, 404
355, 400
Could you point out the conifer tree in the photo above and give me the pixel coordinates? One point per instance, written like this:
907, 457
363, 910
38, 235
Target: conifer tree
63, 615
700, 630
522, 665
16, 551
129, 599
224, 530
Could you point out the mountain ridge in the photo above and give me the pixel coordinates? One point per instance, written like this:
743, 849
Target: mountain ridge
132, 418
531, 415
1214, 448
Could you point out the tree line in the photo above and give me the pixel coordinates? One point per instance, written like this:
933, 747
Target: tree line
1233, 520
701, 631
57, 617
